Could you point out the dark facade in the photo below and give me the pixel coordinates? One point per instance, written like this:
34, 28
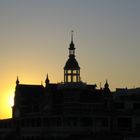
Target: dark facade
72, 109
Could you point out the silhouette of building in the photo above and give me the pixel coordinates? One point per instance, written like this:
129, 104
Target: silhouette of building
72, 109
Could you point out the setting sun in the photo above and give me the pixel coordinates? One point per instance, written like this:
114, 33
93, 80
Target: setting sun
6, 104
11, 100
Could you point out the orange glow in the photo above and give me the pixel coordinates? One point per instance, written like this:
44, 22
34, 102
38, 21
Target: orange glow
6, 104
10, 100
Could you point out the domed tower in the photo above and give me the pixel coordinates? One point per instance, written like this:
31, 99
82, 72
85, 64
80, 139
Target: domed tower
71, 69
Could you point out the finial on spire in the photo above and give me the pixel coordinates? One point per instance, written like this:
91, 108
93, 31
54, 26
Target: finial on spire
72, 35
17, 81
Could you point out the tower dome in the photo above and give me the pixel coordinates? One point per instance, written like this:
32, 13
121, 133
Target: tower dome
71, 64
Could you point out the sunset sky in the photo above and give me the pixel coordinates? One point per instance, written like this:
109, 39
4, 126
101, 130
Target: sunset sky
35, 36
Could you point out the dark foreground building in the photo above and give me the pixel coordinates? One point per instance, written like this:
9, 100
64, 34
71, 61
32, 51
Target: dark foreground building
72, 110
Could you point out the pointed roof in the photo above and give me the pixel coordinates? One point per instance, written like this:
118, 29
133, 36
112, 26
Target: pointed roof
106, 84
17, 81
72, 44
47, 81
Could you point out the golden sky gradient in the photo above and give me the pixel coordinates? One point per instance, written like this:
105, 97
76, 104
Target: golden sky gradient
35, 36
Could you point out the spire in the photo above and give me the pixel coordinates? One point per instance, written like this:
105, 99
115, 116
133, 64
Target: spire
106, 85
72, 48
72, 35
106, 88
47, 81
17, 81
72, 44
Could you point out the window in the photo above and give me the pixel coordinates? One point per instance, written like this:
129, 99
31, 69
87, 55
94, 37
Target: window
71, 52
